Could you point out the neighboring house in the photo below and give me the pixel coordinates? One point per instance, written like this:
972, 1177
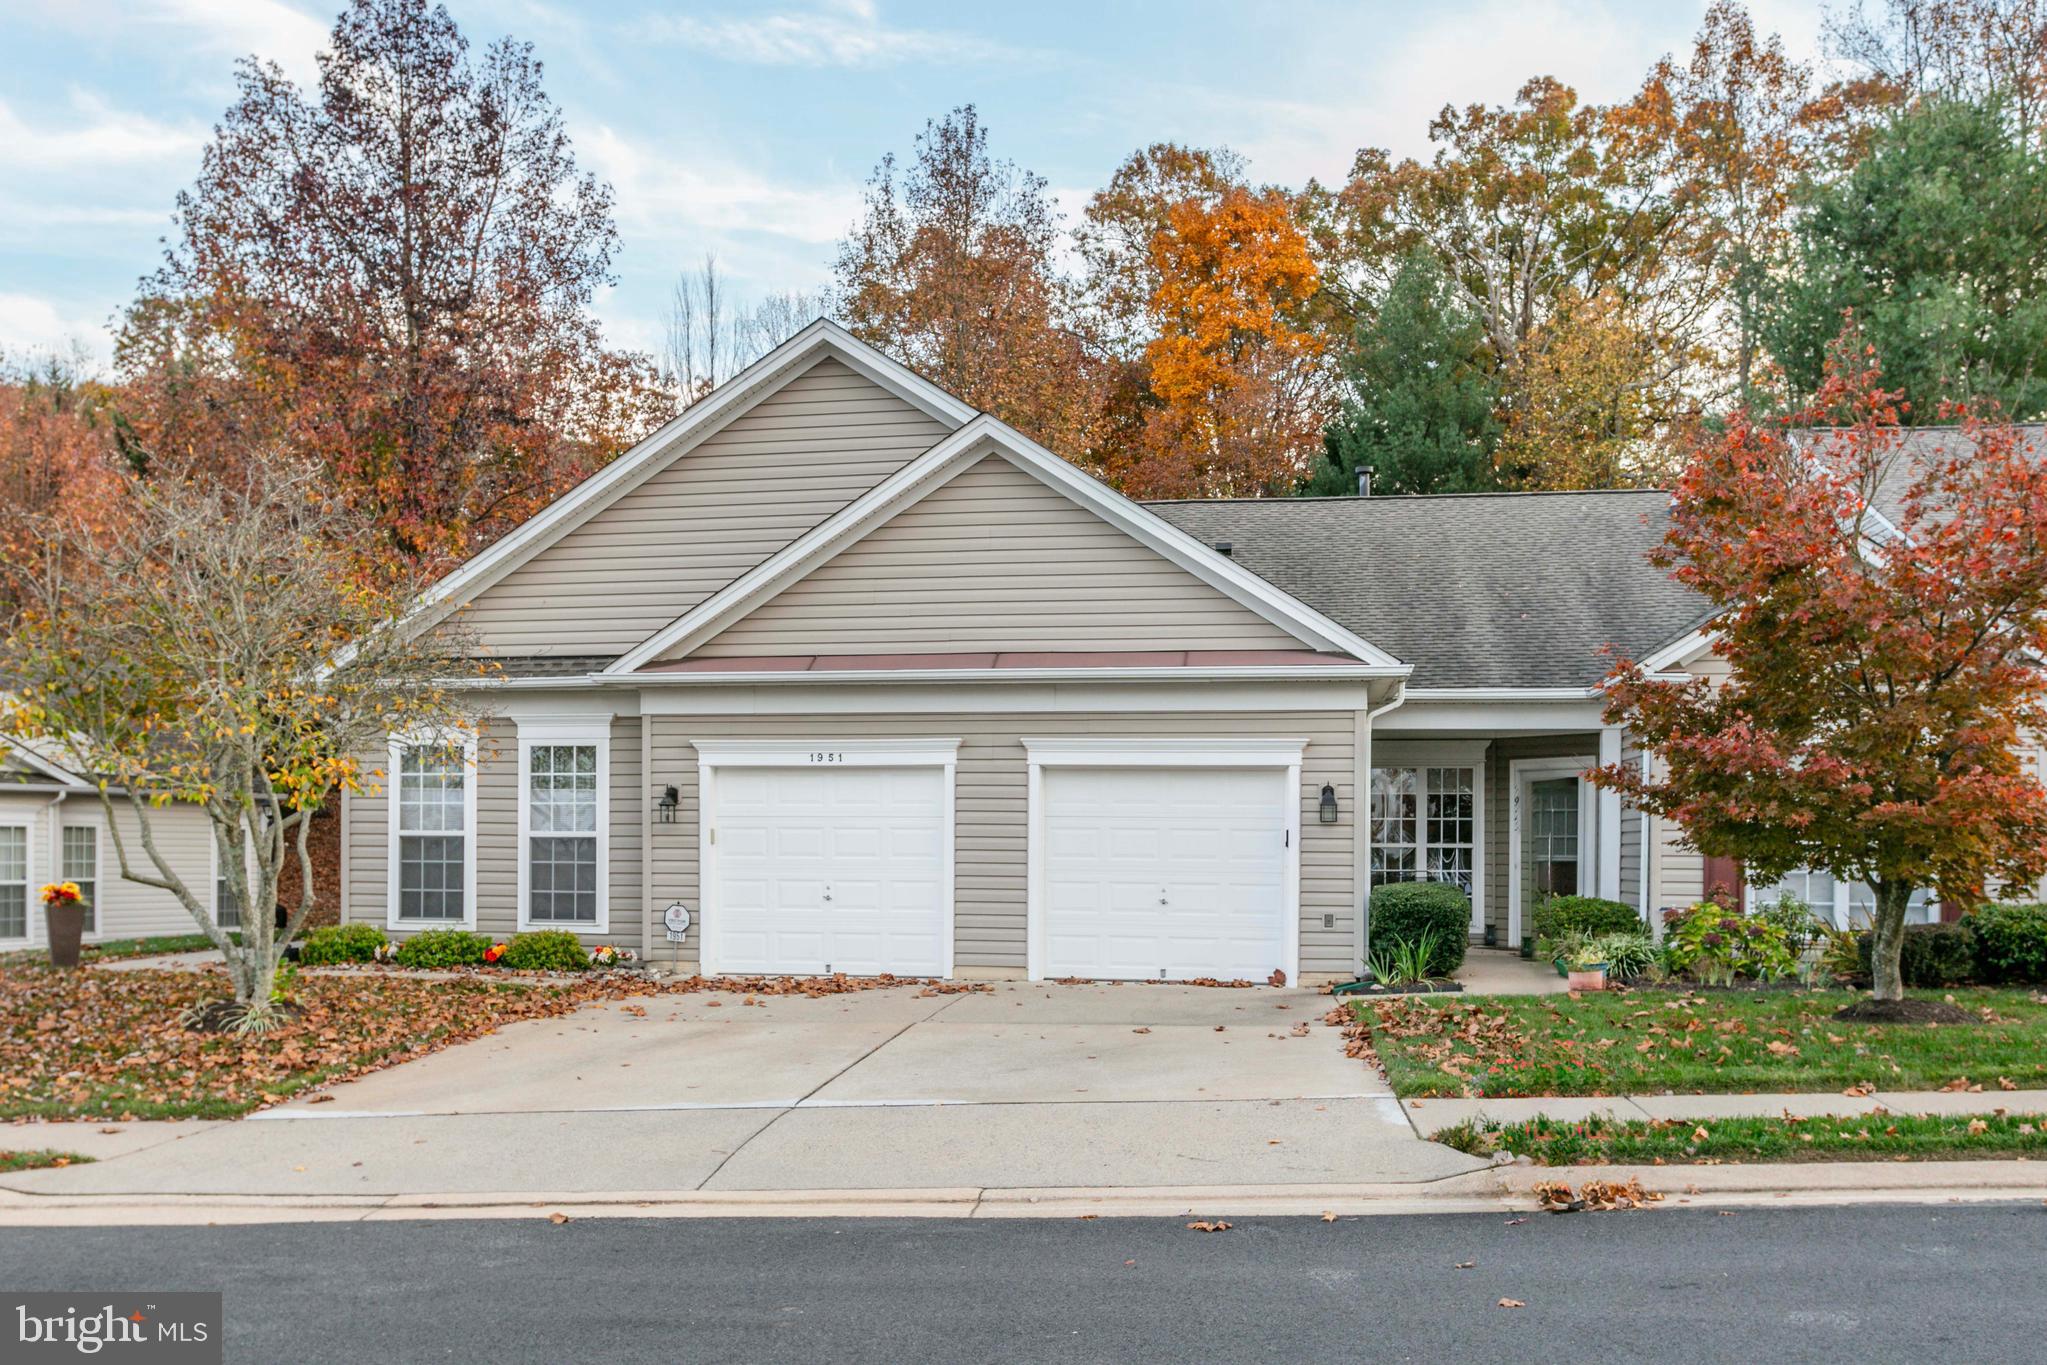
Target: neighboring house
869, 682
54, 829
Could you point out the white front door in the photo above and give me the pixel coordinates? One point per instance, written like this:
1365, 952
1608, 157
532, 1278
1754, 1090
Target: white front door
1166, 873
824, 869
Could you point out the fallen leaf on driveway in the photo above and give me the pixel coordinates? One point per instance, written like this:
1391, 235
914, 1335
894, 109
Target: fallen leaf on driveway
1140, 1030
1511, 1222
1512, 1303
1464, 1265
1860, 1088
1205, 1226
1278, 977
321, 1099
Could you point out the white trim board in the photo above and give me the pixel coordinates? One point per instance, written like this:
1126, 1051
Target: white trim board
823, 751
1575, 765
1426, 753
392, 833
946, 460
597, 734
1283, 756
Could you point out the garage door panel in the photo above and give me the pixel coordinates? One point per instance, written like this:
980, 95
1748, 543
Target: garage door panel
1174, 870
839, 869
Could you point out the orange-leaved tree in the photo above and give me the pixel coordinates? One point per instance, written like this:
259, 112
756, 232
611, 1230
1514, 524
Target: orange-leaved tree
1239, 386
1881, 601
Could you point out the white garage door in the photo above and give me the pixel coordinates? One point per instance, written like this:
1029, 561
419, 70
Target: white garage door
1165, 872
829, 870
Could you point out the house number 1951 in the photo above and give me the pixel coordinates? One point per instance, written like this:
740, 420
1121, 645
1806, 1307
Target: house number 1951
827, 757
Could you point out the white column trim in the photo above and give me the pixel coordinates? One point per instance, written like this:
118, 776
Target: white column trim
1607, 845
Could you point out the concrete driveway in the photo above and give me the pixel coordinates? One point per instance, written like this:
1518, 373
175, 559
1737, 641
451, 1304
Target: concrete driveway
1022, 1086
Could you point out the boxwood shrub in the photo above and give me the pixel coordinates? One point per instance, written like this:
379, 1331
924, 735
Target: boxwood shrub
443, 948
331, 943
1934, 955
2011, 944
1587, 915
1403, 911
546, 950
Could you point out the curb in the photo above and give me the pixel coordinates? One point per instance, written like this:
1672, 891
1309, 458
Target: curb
1503, 1189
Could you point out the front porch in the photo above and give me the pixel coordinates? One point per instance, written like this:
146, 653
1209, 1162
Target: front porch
1495, 799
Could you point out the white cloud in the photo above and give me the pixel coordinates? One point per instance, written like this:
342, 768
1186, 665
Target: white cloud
664, 195
94, 135
845, 34
30, 326
269, 29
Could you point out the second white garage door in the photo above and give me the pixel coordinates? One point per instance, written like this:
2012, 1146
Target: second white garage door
823, 869
1171, 873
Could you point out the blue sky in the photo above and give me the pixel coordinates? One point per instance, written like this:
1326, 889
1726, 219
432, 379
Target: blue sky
748, 129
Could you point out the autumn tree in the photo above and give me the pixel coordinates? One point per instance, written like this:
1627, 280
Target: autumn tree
950, 269
394, 274
1237, 390
1882, 672
1937, 242
1418, 402
219, 646
57, 462
1979, 51
1119, 272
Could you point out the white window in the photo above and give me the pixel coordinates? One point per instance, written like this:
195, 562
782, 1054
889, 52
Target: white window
13, 881
227, 907
80, 847
433, 833
1424, 823
564, 826
1849, 905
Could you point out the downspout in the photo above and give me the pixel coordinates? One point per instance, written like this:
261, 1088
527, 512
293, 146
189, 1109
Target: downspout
1363, 938
646, 840
54, 846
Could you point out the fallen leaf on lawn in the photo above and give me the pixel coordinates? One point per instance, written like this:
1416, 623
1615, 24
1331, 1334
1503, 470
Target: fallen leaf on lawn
1860, 1088
1978, 1126
1512, 1303
1960, 1086
1206, 1226
2006, 1083
1699, 1134
557, 1218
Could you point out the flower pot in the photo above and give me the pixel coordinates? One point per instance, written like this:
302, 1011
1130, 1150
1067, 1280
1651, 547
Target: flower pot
67, 927
1528, 947
1587, 978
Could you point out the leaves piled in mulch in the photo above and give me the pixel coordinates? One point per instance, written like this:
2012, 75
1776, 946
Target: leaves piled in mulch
1595, 1196
109, 1045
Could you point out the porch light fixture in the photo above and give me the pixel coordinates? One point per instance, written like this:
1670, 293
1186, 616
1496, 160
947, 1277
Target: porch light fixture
670, 800
1328, 804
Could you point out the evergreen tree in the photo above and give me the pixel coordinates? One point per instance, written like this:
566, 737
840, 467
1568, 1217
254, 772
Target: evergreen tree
1419, 407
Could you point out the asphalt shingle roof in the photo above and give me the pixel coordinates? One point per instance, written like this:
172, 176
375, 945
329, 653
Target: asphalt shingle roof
1474, 590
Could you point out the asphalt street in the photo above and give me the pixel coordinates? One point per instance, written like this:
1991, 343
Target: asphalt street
1862, 1284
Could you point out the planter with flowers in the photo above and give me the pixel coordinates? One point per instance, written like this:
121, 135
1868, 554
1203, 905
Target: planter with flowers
605, 955
64, 911
1587, 969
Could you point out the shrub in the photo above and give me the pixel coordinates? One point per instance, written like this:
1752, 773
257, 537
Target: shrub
1796, 919
545, 950
1714, 945
2011, 944
1402, 912
1587, 915
1933, 955
1626, 956
443, 948
340, 943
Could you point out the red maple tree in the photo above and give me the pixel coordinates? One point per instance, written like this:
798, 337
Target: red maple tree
1884, 668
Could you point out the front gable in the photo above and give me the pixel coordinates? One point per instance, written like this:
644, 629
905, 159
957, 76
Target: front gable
992, 560
990, 552
706, 516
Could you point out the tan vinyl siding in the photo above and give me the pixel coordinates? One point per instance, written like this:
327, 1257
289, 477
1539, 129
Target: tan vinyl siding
497, 838
741, 494
996, 559
124, 909
992, 820
1634, 824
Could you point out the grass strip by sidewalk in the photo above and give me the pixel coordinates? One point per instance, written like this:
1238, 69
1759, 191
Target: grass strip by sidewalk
1868, 1137
114, 948
1721, 1042
37, 1159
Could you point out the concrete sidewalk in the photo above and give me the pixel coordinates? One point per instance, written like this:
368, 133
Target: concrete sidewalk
1432, 1116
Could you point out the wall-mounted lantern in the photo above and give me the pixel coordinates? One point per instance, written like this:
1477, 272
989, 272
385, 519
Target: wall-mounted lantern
671, 800
1328, 804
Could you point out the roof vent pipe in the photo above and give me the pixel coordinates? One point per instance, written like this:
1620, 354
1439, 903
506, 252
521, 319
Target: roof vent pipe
1223, 548
1365, 473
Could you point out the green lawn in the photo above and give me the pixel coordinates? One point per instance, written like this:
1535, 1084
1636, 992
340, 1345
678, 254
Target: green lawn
38, 1158
1871, 1137
1647, 1042
119, 947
